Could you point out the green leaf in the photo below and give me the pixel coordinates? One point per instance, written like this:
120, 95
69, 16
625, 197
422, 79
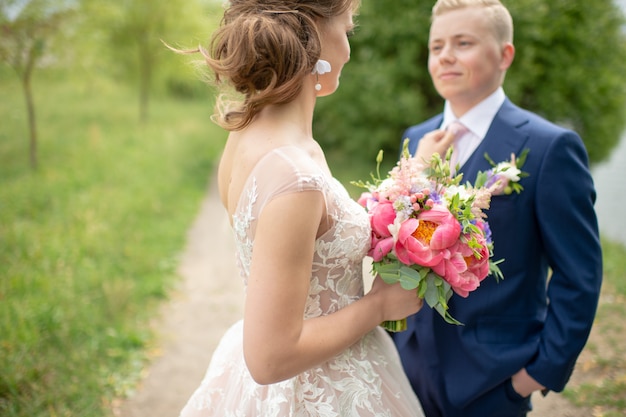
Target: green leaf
409, 278
421, 289
521, 159
390, 273
488, 158
449, 319
481, 179
494, 270
431, 295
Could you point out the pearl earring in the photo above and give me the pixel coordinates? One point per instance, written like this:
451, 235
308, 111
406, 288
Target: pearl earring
321, 67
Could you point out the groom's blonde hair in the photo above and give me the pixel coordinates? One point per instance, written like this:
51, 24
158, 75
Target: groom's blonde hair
499, 17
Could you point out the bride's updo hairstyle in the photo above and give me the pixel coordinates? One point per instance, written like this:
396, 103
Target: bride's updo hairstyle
264, 50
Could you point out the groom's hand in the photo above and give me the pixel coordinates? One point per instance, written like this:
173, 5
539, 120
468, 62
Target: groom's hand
437, 141
525, 384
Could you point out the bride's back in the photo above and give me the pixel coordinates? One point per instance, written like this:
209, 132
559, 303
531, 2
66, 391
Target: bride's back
244, 148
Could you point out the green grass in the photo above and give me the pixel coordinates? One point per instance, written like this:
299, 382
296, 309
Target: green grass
90, 241
603, 368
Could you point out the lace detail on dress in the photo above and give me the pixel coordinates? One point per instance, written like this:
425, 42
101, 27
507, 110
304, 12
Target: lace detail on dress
241, 223
336, 277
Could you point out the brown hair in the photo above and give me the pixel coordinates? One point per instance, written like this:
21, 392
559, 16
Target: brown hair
498, 15
263, 50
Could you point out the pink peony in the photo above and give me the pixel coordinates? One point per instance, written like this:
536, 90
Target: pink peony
461, 267
380, 247
479, 264
364, 198
464, 283
451, 266
448, 228
381, 216
421, 241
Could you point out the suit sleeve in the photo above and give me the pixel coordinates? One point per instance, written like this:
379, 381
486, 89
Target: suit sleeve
569, 233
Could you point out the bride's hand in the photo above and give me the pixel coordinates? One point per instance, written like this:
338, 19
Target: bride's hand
437, 141
396, 303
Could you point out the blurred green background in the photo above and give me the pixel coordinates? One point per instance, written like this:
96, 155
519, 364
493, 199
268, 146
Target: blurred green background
106, 148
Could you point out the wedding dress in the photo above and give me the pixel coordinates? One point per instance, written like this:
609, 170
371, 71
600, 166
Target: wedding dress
366, 379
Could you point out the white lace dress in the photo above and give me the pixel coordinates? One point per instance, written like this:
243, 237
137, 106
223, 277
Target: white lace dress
366, 379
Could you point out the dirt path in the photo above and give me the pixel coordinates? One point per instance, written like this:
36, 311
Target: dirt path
208, 300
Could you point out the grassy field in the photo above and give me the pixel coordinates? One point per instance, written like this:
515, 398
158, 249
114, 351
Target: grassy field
89, 242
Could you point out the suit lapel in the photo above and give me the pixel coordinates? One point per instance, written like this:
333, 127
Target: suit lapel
506, 135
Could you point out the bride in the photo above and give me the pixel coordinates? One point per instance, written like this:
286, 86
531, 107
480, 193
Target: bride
309, 343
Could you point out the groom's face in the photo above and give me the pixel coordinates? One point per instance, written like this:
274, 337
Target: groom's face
465, 62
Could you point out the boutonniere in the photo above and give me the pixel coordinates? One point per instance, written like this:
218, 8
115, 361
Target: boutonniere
504, 177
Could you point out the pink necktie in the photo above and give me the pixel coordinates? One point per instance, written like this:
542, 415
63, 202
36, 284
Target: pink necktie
459, 130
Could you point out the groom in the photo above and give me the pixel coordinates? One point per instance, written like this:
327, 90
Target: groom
525, 333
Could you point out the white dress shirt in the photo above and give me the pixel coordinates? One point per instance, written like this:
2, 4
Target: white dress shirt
477, 121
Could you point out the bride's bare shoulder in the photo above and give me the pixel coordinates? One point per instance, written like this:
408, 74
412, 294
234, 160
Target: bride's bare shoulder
241, 153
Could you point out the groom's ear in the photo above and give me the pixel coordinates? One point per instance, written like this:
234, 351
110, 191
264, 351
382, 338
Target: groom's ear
508, 54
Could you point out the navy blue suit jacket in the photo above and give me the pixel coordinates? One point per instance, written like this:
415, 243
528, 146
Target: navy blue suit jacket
527, 320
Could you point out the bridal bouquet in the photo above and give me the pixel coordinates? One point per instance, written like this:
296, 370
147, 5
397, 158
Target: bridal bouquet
429, 232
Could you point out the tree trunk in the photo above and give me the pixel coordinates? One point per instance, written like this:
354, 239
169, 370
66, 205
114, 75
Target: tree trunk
144, 97
145, 78
32, 122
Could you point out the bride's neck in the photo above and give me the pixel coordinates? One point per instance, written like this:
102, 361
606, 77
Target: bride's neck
297, 114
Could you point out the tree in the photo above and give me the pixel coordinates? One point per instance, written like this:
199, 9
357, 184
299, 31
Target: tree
134, 32
570, 67
570, 61
26, 27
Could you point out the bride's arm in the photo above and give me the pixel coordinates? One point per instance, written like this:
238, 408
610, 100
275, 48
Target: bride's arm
278, 342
